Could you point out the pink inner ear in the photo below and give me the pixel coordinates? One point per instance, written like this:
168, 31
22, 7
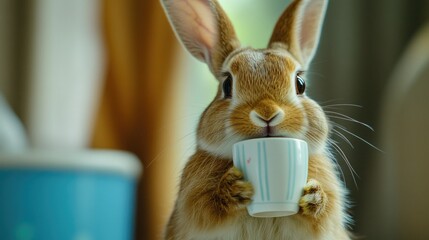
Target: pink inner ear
307, 30
195, 24
206, 22
310, 25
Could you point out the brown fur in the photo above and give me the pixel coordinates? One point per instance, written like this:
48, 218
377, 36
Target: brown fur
285, 26
227, 41
208, 199
213, 195
287, 35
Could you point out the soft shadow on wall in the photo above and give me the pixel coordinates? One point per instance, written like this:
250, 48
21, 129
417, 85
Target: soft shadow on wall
362, 44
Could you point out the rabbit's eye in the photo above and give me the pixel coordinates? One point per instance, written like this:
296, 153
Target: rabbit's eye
227, 86
300, 85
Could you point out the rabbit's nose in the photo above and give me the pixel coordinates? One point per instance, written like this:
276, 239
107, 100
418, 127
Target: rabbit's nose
267, 120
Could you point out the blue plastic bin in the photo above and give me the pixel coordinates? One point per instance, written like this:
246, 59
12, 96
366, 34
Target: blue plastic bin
86, 195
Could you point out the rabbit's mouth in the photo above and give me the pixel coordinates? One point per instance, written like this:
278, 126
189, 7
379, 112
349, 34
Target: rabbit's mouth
276, 136
269, 131
272, 132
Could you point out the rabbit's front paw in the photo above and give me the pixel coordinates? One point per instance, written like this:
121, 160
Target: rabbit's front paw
313, 200
233, 190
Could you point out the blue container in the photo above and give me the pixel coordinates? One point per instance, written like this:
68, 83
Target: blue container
86, 195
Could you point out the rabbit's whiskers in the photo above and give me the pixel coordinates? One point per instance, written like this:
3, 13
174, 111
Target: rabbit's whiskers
341, 131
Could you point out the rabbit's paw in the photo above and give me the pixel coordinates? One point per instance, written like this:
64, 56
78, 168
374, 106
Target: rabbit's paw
234, 192
313, 200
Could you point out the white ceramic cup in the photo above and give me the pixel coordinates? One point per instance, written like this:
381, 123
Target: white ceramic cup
277, 169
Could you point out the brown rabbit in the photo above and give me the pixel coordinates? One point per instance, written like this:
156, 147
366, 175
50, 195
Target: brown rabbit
261, 94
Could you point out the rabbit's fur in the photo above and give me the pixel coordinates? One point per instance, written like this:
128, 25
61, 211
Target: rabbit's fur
264, 101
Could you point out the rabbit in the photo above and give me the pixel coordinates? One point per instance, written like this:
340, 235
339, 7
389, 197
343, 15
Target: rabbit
261, 94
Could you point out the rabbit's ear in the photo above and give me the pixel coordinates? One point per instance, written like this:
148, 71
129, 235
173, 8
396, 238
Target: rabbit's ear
203, 28
299, 27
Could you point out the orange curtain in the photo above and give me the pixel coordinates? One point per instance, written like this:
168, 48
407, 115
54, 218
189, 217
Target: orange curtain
140, 48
